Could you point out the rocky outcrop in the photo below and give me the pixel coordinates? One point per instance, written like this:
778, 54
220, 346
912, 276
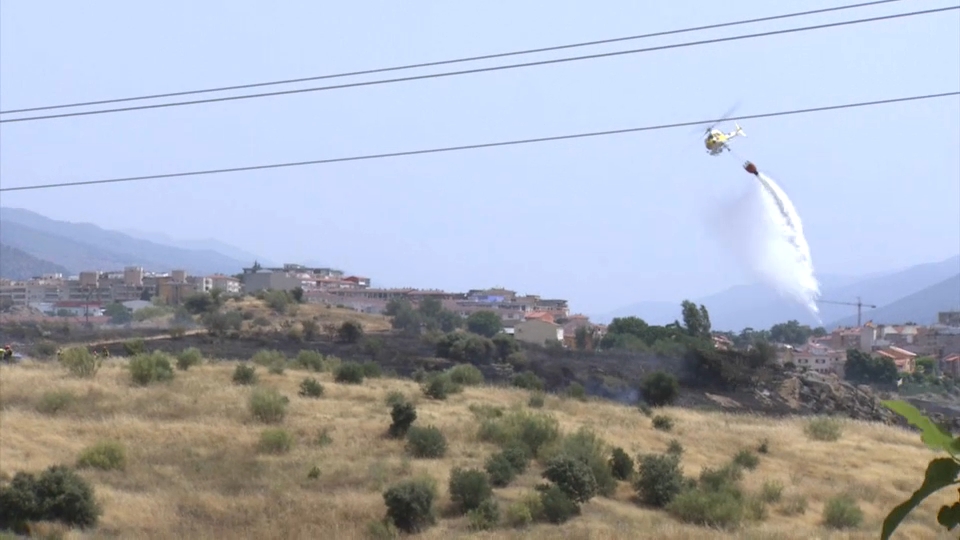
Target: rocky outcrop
827, 394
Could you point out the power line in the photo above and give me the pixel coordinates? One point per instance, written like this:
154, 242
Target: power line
479, 146
453, 61
486, 69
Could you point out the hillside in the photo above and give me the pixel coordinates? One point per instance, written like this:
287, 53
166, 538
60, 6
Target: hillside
758, 306
197, 463
84, 246
18, 264
920, 307
212, 244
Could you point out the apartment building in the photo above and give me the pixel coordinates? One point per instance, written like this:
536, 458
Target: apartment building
814, 358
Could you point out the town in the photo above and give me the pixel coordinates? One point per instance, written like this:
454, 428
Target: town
529, 318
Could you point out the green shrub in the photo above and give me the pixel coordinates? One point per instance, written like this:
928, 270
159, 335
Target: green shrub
675, 447
268, 357
527, 381
268, 405
104, 455
311, 360
659, 479
518, 454
526, 511
134, 347
500, 470
310, 388
58, 494
244, 374
468, 488
572, 476
645, 409
660, 388
764, 446
439, 386
382, 530
536, 400
146, 368
395, 397
842, 512
746, 459
465, 375
795, 505
662, 422
824, 429
576, 391
484, 517
557, 506
426, 442
349, 373
350, 332
591, 450
403, 415
371, 370
721, 479
771, 491
278, 367
621, 464
275, 441
43, 349
716, 509
80, 362
531, 429
410, 504
188, 358
55, 401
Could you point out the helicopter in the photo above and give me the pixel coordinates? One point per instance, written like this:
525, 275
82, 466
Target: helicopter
717, 141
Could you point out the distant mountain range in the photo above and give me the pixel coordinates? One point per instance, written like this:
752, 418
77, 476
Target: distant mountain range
18, 264
913, 294
76, 247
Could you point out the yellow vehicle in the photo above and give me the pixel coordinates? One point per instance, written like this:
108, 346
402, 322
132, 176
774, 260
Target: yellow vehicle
717, 141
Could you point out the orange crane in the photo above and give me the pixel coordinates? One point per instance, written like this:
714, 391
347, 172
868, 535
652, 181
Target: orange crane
860, 305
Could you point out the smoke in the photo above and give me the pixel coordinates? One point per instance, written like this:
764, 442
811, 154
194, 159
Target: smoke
762, 230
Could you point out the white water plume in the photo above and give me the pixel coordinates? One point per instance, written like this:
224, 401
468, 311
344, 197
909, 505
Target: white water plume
762, 229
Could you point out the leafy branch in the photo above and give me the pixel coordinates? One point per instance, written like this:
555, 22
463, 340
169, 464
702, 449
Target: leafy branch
941, 472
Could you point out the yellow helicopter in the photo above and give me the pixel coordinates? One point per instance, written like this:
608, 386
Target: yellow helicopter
717, 141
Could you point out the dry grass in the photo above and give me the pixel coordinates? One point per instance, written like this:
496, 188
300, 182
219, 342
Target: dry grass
194, 469
255, 309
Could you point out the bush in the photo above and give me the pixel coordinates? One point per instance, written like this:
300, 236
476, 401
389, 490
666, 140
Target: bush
54, 401
527, 381
468, 488
426, 442
466, 375
746, 459
573, 477
58, 494
277, 367
764, 446
518, 454
842, 512
823, 429
722, 479
645, 409
410, 504
104, 455
395, 397
662, 422
134, 347
718, 509
44, 349
576, 391
311, 360
275, 441
146, 368
349, 373
439, 386
621, 464
403, 415
244, 374
267, 357
530, 429
310, 388
484, 517
188, 358
659, 479
795, 505
500, 470
557, 506
525, 511
536, 400
268, 405
79, 362
371, 370
350, 332
675, 448
587, 447
771, 491
660, 388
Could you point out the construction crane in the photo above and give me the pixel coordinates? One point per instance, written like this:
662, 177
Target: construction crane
860, 305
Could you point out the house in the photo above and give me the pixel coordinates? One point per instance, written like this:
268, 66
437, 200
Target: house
813, 358
358, 281
540, 316
905, 360
722, 343
136, 305
227, 284
538, 331
950, 365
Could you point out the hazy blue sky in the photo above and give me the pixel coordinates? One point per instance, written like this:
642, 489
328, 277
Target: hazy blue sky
604, 222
